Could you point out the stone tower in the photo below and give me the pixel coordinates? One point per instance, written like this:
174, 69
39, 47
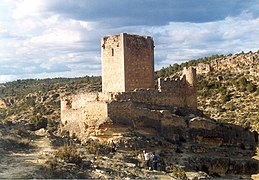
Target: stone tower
190, 75
127, 62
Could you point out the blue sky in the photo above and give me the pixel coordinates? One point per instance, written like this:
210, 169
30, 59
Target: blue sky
61, 38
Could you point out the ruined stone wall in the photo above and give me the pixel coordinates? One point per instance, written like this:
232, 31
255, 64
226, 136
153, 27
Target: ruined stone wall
113, 78
138, 62
141, 106
176, 98
127, 107
82, 111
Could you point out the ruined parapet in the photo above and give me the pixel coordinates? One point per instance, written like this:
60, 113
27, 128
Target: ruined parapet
167, 84
188, 79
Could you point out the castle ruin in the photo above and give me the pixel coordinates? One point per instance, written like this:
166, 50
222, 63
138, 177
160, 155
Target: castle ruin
128, 94
127, 62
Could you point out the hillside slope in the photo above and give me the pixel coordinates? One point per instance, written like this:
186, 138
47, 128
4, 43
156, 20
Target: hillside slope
229, 92
37, 102
228, 87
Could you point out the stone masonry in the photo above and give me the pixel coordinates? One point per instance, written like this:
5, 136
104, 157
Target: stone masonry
128, 93
127, 62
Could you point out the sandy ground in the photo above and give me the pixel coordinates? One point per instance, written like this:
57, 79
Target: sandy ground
23, 164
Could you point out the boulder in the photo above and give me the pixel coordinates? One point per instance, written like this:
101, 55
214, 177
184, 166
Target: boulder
202, 123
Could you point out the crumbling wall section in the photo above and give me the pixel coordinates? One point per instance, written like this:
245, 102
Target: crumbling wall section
79, 112
128, 107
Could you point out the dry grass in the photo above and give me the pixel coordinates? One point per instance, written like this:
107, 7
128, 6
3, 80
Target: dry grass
11, 142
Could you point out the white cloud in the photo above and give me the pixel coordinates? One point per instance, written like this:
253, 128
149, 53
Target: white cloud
180, 41
50, 38
6, 78
56, 36
29, 8
2, 30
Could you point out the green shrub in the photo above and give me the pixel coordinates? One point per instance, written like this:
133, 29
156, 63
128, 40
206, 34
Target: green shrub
230, 106
179, 173
52, 125
251, 87
2, 114
30, 101
223, 90
12, 141
213, 103
243, 81
39, 109
97, 148
38, 122
69, 154
64, 133
18, 132
225, 98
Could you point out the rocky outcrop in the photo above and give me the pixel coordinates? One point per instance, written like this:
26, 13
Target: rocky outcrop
2, 104
235, 63
5, 102
203, 68
221, 166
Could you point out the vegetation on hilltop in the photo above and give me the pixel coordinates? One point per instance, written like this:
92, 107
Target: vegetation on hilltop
34, 104
37, 101
231, 99
227, 95
21, 88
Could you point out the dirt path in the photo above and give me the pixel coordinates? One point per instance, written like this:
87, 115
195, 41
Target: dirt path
24, 164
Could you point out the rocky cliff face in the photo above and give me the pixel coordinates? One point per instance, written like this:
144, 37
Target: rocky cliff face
244, 63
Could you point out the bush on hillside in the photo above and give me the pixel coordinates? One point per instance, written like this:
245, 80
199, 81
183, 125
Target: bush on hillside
38, 122
179, 173
225, 98
52, 125
69, 154
251, 87
94, 147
